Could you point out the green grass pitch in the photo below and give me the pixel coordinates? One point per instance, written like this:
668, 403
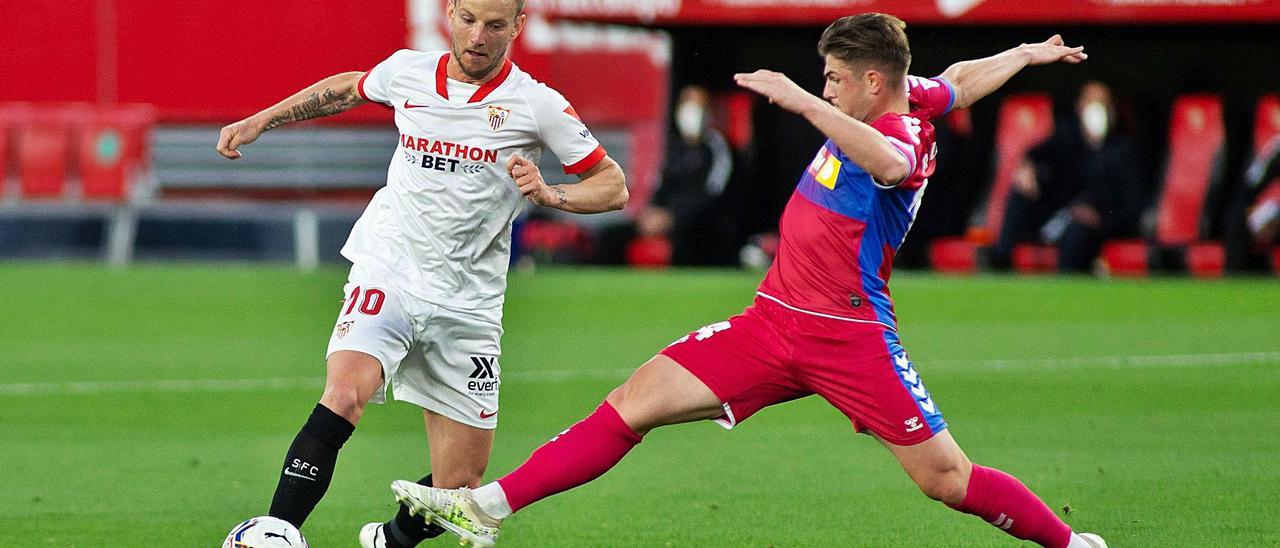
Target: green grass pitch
153, 407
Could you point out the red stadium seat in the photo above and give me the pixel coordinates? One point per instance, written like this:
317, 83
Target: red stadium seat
551, 237
1196, 146
42, 143
1125, 258
953, 255
1196, 142
9, 114
1266, 122
1025, 120
112, 150
649, 252
1206, 259
733, 115
1035, 259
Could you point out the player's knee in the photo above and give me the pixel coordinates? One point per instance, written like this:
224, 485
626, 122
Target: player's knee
633, 404
620, 397
624, 401
344, 401
947, 485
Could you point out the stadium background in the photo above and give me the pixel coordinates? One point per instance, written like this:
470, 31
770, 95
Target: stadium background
159, 396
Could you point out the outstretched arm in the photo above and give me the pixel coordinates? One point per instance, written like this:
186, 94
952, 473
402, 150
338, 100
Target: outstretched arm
601, 188
866, 146
975, 79
333, 95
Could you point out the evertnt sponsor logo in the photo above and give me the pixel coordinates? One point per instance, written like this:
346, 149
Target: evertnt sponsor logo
449, 150
483, 379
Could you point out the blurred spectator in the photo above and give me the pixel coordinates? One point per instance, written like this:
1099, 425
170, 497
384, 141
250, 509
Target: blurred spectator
1253, 219
1264, 176
697, 167
1078, 188
1264, 217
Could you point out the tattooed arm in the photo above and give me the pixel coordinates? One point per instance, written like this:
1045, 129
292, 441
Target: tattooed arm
327, 97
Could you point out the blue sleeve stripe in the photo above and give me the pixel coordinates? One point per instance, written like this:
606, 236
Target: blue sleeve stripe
951, 90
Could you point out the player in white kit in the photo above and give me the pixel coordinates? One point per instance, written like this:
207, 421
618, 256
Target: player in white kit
423, 307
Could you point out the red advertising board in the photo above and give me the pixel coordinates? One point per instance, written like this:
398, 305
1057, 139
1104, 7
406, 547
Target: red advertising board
816, 12
196, 60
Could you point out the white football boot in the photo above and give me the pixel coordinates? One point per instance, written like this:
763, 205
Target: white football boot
1094, 541
453, 509
372, 535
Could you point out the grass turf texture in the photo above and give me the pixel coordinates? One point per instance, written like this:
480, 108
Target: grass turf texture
1172, 452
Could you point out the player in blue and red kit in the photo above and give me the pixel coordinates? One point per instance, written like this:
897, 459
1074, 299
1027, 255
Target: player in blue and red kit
822, 322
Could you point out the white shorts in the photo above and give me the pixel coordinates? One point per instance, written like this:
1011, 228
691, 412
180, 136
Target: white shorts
442, 359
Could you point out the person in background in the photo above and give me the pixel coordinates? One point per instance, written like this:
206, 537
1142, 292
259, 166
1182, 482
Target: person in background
1264, 216
1080, 187
697, 168
1264, 175
1251, 224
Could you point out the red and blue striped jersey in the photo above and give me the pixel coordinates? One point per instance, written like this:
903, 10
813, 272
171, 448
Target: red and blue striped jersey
841, 228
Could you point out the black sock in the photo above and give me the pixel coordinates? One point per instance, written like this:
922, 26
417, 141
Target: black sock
308, 466
407, 530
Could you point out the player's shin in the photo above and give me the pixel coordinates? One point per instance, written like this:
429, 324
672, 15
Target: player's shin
308, 466
1003, 501
578, 455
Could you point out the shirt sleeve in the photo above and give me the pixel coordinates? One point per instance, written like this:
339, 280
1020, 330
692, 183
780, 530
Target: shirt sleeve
562, 131
913, 139
931, 97
374, 85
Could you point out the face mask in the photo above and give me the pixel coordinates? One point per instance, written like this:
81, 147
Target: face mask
689, 120
1096, 120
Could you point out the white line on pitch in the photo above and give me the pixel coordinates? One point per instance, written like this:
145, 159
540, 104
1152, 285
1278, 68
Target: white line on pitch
1118, 362
559, 375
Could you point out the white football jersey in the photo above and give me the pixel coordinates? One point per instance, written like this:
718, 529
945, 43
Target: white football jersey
441, 227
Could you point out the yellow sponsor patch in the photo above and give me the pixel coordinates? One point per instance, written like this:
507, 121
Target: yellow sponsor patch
825, 168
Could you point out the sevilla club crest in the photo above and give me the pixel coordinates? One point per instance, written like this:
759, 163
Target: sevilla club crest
497, 116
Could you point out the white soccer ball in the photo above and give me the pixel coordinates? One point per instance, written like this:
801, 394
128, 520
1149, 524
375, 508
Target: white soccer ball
265, 532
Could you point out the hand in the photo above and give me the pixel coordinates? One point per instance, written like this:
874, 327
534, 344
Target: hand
529, 180
240, 133
1024, 181
1052, 51
1086, 215
779, 89
654, 221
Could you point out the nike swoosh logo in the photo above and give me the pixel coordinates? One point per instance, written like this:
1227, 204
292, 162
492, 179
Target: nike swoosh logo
484, 415
956, 8
289, 472
408, 105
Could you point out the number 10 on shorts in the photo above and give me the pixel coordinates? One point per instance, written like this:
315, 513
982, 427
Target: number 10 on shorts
370, 304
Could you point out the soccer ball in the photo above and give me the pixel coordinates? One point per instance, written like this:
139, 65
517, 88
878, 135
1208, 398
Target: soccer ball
265, 532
